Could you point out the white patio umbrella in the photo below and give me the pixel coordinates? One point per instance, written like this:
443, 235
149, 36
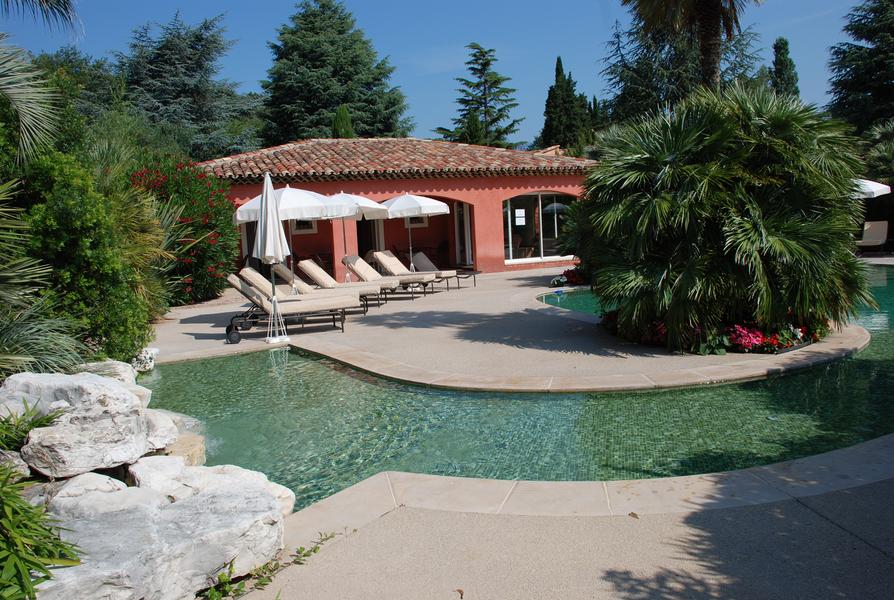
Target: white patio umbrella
271, 247
301, 205
409, 205
364, 208
870, 189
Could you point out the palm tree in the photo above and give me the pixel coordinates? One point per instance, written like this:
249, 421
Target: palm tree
51, 12
751, 222
710, 20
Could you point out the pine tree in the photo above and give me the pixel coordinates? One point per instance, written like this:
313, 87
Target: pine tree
566, 118
169, 79
341, 123
652, 69
862, 71
784, 77
487, 98
321, 60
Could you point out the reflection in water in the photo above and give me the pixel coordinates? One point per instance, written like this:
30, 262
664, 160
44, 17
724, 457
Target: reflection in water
319, 427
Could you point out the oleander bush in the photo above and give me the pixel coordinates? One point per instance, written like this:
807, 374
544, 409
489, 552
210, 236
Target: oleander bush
209, 243
734, 208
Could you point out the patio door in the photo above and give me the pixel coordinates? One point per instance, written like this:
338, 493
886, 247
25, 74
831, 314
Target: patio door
463, 222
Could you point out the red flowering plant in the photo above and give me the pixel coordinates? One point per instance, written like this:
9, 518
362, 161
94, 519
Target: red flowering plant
209, 242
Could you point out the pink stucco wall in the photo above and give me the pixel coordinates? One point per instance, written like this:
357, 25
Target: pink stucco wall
484, 194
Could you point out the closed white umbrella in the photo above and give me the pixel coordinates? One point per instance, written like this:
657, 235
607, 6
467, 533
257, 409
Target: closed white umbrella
271, 247
870, 189
409, 205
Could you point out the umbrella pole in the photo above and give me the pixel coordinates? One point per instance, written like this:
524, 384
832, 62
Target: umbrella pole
410, 231
344, 240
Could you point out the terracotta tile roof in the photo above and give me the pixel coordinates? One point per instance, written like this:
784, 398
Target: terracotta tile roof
387, 158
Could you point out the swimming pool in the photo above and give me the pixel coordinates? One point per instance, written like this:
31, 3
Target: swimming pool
317, 427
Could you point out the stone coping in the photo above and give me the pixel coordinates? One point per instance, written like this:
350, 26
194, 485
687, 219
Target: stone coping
366, 501
841, 344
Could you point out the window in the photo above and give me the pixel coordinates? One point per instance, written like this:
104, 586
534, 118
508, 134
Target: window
416, 222
532, 224
304, 227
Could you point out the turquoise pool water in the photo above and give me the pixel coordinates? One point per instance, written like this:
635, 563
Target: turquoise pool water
318, 427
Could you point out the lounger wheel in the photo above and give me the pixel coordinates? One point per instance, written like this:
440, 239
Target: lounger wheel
233, 335
245, 325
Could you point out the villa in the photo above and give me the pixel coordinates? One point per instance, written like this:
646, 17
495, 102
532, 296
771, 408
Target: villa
506, 206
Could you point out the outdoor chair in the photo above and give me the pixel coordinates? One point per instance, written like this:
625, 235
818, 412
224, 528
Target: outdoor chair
392, 266
302, 288
262, 309
365, 272
420, 260
286, 292
875, 233
327, 282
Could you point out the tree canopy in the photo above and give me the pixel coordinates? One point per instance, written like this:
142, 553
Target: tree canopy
321, 60
169, 77
783, 76
652, 69
862, 70
486, 97
566, 115
341, 123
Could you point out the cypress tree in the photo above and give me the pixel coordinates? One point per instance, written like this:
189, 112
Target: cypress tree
784, 77
566, 119
862, 72
341, 123
487, 98
321, 60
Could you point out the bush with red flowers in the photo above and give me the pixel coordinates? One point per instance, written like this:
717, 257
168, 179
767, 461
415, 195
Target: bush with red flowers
210, 242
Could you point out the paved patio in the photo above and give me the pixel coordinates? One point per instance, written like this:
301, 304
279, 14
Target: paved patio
818, 527
496, 336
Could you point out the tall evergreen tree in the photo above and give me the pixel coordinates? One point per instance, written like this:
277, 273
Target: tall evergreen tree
486, 97
711, 22
784, 76
651, 69
863, 70
321, 60
170, 79
566, 117
341, 123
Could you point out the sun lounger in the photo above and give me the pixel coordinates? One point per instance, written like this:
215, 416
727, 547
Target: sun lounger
365, 272
392, 266
421, 261
325, 281
287, 293
262, 308
875, 233
303, 289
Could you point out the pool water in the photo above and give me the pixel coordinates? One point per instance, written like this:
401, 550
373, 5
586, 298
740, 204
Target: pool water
317, 427
576, 299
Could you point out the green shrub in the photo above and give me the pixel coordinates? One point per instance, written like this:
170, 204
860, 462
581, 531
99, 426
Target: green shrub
734, 208
209, 249
74, 232
29, 542
14, 428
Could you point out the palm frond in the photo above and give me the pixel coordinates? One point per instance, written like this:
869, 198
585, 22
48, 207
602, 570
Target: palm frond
32, 101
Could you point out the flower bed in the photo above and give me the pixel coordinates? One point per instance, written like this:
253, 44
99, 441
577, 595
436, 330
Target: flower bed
568, 277
740, 337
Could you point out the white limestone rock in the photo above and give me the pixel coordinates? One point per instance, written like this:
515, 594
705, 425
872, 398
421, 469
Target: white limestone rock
114, 369
93, 494
161, 429
103, 423
168, 552
14, 461
171, 476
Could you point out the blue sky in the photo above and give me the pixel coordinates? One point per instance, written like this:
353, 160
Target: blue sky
425, 41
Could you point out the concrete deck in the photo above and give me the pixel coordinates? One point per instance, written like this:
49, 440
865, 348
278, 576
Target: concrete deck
496, 337
818, 527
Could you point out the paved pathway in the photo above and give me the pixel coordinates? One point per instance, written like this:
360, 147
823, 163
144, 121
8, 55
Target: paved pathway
496, 336
818, 527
